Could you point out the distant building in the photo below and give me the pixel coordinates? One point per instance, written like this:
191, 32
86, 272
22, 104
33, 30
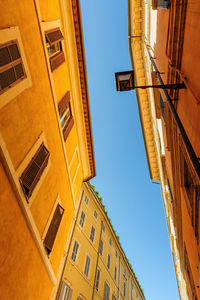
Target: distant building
46, 146
172, 39
96, 266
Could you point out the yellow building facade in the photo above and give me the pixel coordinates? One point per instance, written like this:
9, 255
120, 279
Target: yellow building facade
46, 146
96, 266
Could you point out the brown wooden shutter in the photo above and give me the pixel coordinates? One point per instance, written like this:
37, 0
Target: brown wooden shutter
62, 105
67, 128
54, 36
57, 60
53, 228
34, 170
11, 66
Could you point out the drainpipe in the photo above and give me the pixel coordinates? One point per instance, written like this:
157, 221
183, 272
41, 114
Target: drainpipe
97, 261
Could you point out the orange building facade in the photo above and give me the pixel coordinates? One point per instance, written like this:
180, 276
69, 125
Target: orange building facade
166, 34
46, 146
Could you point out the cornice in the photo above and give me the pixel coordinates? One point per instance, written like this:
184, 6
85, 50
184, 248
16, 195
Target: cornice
136, 23
83, 83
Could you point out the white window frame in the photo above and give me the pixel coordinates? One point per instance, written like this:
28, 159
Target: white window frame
86, 259
108, 261
97, 281
65, 292
92, 234
82, 220
7, 35
72, 252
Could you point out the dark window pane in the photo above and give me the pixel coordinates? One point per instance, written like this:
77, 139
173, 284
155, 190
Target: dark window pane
19, 70
4, 56
7, 77
14, 52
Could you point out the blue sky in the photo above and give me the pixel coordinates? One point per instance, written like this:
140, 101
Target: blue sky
134, 204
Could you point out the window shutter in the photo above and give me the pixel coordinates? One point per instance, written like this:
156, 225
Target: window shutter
67, 128
54, 36
34, 170
57, 60
53, 228
62, 105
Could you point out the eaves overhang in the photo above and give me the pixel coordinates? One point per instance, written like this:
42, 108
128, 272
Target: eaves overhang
136, 25
83, 83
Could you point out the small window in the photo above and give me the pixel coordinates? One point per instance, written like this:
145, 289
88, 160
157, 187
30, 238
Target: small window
11, 66
54, 39
116, 254
101, 247
110, 242
53, 228
92, 233
87, 266
124, 289
114, 297
192, 195
95, 214
65, 292
34, 170
97, 280
103, 227
136, 295
79, 298
108, 261
82, 219
115, 273
106, 291
124, 272
65, 113
75, 251
86, 200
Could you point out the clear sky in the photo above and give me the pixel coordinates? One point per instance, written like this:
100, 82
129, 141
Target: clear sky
134, 204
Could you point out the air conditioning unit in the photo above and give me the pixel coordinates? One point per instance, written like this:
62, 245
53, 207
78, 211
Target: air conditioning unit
160, 4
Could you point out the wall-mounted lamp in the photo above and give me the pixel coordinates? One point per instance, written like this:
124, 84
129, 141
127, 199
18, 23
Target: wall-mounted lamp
125, 82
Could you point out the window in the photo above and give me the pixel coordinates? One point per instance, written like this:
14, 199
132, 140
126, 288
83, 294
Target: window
95, 214
108, 261
110, 242
92, 233
101, 247
65, 113
124, 272
116, 254
162, 107
65, 292
11, 66
79, 298
87, 266
191, 195
97, 280
86, 200
115, 273
34, 170
189, 279
136, 295
106, 291
53, 228
54, 47
124, 289
103, 227
14, 73
75, 251
114, 297
82, 219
